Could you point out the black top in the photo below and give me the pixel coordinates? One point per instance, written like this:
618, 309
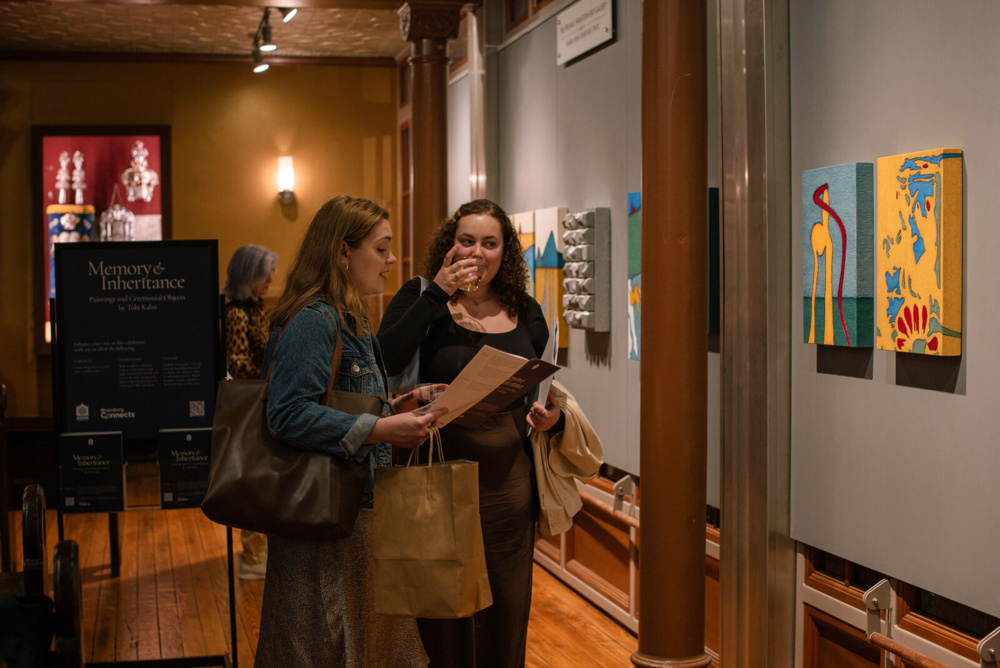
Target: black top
413, 320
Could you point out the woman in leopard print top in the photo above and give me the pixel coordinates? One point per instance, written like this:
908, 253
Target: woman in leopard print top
248, 327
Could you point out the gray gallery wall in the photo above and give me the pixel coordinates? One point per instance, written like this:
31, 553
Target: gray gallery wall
571, 136
901, 479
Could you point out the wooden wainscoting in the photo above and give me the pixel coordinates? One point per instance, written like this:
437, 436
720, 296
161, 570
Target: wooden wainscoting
599, 558
598, 552
909, 619
713, 608
829, 642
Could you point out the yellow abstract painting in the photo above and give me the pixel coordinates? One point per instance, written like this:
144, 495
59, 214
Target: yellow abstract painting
549, 263
918, 276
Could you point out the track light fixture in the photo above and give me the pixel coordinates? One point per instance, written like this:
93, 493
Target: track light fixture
265, 33
262, 41
258, 60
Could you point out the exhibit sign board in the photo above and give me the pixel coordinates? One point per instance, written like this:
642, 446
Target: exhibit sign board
91, 477
185, 455
585, 25
137, 336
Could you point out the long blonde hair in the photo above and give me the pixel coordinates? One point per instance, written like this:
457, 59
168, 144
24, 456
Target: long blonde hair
318, 273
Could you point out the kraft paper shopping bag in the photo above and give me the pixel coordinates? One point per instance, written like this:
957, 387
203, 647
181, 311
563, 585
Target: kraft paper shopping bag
429, 559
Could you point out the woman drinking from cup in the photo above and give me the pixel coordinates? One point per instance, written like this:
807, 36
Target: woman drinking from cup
477, 297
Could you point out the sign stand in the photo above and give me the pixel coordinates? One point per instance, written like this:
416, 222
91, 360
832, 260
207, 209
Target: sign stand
181, 374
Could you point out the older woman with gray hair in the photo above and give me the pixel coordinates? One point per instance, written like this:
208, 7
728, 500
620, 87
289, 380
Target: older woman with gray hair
248, 327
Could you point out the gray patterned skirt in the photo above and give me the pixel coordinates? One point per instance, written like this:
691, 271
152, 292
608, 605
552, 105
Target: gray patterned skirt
318, 608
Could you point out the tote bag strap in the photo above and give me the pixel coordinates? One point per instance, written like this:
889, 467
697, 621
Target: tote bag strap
338, 349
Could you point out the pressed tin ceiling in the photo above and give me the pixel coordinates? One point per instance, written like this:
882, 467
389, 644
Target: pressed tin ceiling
190, 29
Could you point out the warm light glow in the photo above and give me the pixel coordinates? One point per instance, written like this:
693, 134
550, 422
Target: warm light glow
286, 174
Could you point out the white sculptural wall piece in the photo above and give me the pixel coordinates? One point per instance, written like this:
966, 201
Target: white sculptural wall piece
587, 301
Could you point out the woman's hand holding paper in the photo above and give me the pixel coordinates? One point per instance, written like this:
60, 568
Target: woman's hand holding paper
406, 430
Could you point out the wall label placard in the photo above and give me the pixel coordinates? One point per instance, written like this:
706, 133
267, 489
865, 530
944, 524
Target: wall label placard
583, 26
184, 456
91, 477
137, 336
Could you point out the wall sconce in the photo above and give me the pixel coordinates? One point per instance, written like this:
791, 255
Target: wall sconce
286, 180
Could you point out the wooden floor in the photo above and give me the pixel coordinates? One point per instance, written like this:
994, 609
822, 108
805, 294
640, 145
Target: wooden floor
171, 599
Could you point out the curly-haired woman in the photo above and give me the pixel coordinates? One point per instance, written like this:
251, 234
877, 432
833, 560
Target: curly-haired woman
477, 297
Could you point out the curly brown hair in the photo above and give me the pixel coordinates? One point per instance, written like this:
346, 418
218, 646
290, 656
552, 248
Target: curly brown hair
511, 280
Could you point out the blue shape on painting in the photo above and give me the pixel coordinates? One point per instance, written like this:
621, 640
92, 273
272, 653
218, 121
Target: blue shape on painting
911, 163
892, 282
634, 202
918, 245
921, 187
550, 257
895, 303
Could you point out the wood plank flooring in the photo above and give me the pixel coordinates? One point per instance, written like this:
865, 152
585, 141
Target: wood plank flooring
171, 599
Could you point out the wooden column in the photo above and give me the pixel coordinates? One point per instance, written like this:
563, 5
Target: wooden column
429, 24
674, 334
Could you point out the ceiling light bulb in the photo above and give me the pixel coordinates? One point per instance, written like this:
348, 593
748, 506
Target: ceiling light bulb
266, 43
287, 13
258, 61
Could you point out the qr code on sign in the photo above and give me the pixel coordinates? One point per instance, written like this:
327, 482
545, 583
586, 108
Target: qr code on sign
196, 408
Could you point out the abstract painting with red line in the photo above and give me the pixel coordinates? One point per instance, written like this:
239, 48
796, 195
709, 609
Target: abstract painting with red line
838, 220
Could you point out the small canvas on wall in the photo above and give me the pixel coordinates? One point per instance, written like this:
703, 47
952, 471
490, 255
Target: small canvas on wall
837, 255
549, 246
634, 275
919, 250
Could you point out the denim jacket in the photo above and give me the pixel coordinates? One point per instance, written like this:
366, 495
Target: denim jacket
301, 354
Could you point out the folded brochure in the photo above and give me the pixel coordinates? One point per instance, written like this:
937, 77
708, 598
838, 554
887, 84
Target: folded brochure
487, 384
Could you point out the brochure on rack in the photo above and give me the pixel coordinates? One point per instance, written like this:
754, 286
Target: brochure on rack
487, 384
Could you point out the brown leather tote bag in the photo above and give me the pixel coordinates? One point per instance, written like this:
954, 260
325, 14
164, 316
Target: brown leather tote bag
258, 483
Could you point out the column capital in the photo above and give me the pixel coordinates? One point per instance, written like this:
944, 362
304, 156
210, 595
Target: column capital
430, 19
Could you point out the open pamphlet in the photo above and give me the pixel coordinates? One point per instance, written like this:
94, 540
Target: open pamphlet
487, 384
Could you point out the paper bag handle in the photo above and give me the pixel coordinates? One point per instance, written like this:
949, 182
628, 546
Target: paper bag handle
434, 440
